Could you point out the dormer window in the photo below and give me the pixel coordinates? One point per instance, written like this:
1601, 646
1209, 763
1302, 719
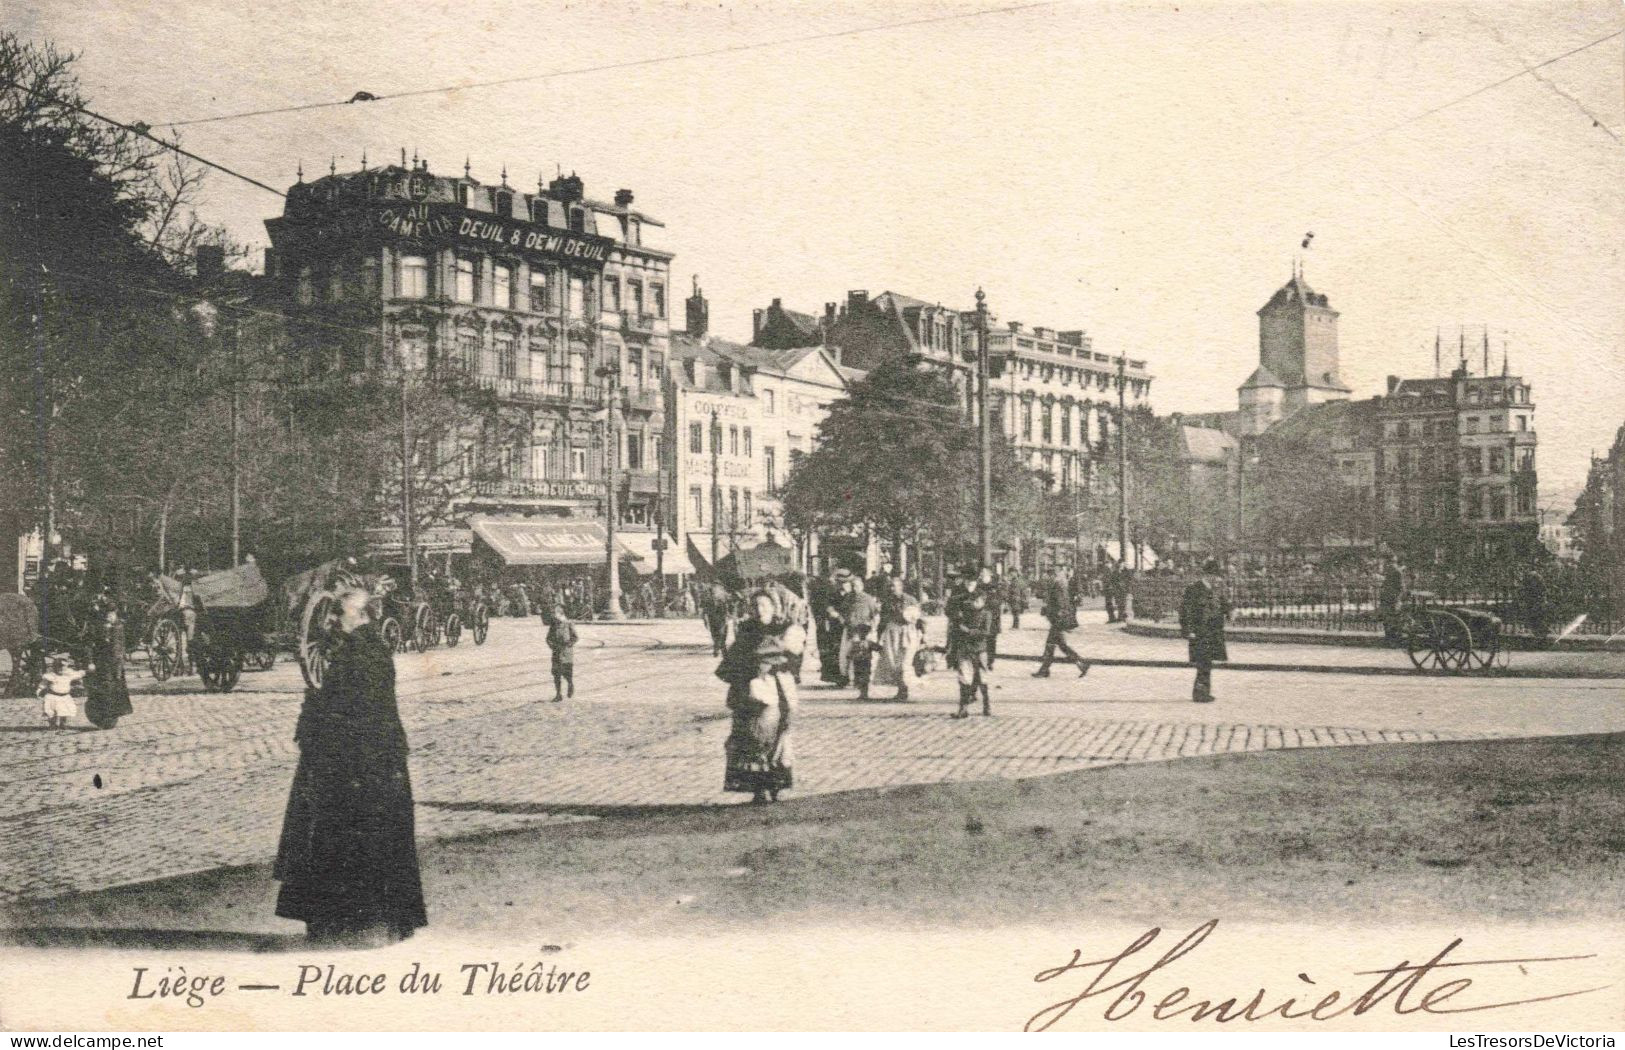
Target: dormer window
578, 220
538, 212
462, 194
504, 204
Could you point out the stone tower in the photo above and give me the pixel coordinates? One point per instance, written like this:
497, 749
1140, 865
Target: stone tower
1297, 345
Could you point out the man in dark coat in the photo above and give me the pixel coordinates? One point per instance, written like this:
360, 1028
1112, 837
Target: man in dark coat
348, 859
822, 595
1202, 613
1062, 613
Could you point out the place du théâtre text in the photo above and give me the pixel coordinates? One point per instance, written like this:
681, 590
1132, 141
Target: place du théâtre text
309, 980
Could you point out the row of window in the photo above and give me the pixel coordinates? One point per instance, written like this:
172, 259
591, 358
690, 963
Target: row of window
1045, 373
1483, 504
1440, 428
696, 440
1428, 461
486, 283
501, 359
739, 507
1047, 430
555, 463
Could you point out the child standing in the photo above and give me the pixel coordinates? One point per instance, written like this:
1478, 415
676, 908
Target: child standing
561, 638
56, 690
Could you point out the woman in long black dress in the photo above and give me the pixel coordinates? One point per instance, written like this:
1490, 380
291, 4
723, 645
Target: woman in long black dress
107, 695
348, 858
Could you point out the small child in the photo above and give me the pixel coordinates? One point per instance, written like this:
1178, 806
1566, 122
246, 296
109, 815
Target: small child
56, 690
561, 638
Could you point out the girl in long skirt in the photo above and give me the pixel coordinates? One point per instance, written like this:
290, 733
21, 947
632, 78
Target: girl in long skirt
762, 697
899, 639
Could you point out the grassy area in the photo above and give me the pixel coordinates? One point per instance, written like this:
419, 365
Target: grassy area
1515, 830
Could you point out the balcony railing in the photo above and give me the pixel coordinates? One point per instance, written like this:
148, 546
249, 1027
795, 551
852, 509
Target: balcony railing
539, 488
542, 391
643, 399
634, 321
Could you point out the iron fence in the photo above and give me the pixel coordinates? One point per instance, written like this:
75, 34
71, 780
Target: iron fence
1566, 604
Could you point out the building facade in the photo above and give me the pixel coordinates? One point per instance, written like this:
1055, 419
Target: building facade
742, 417
552, 303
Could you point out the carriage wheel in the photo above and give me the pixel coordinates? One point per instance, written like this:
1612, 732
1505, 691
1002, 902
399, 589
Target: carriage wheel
422, 628
1452, 640
163, 655
391, 630
315, 633
454, 630
482, 624
1420, 643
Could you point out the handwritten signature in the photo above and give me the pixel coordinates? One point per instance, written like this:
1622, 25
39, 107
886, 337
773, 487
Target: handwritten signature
1405, 988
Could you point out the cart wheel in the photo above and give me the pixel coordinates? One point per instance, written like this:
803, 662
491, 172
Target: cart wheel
163, 655
482, 624
1453, 640
391, 631
454, 630
422, 629
315, 633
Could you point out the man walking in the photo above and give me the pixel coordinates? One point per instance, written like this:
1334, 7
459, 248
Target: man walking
823, 598
1062, 614
1016, 596
860, 614
1202, 613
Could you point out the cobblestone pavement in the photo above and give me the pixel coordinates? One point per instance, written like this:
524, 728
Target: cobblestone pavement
194, 781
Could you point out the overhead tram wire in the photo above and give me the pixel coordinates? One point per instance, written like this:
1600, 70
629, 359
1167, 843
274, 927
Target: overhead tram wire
611, 66
144, 132
1441, 107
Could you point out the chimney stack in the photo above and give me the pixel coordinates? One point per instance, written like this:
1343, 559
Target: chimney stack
623, 198
756, 323
698, 312
1393, 383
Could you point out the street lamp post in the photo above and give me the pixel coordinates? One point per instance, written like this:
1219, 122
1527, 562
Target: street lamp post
1122, 461
612, 446
984, 436
716, 485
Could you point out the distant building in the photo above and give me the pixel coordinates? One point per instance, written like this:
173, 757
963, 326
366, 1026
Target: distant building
1052, 395
741, 418
1597, 523
1434, 467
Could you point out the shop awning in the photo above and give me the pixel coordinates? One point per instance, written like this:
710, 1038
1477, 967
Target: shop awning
539, 541
641, 544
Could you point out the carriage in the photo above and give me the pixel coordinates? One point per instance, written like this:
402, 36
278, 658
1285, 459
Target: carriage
234, 630
1448, 637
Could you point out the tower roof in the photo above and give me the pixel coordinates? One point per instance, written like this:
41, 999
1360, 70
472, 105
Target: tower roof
1296, 292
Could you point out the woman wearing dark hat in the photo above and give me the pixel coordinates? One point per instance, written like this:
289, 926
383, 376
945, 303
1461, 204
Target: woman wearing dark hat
1202, 613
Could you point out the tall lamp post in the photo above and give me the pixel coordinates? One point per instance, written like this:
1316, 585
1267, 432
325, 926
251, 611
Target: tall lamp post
984, 436
1122, 461
612, 448
716, 486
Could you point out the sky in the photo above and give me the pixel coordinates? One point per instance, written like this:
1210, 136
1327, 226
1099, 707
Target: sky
1146, 172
